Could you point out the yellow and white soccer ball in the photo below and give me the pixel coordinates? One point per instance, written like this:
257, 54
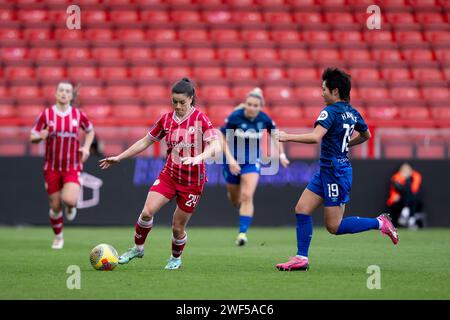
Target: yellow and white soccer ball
104, 257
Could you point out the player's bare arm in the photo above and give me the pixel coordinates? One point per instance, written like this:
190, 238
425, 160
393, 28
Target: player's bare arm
135, 149
360, 138
283, 158
307, 138
85, 149
235, 168
212, 148
36, 138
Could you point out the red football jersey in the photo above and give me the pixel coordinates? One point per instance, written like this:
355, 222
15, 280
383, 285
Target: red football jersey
184, 137
62, 143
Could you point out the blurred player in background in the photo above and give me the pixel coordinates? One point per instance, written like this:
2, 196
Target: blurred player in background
59, 126
187, 132
331, 185
242, 166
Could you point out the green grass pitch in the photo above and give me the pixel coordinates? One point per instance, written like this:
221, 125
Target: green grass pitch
214, 268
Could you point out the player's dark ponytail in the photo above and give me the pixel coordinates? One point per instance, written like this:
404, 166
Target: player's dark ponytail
185, 86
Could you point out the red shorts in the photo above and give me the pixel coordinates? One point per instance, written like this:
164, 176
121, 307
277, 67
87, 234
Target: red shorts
55, 180
187, 196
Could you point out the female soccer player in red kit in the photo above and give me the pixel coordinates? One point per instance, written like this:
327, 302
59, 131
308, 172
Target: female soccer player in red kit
59, 126
190, 139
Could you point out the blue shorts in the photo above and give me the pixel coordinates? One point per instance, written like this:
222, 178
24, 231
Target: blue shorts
245, 168
333, 184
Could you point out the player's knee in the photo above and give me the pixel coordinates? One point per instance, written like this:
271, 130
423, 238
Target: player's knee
300, 208
246, 196
332, 228
146, 215
70, 201
177, 229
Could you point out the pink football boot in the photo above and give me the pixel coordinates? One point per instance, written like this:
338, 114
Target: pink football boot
388, 228
294, 263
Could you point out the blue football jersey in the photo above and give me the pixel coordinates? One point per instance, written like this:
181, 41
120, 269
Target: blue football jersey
247, 134
341, 119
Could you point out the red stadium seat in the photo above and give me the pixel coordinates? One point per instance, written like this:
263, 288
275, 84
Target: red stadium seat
75, 54
102, 54
120, 92
208, 73
7, 15
48, 91
437, 36
94, 16
29, 111
32, 15
43, 53
240, 92
169, 54
325, 55
303, 74
436, 93
396, 74
190, 35
200, 54
400, 18
135, 54
99, 34
218, 113
175, 73
155, 16
247, 17
414, 113
144, 73
331, 3
404, 37
7, 111
224, 35
130, 35
386, 55
113, 73
440, 113
447, 73
217, 17
286, 115
35, 34
64, 34
24, 92
309, 94
128, 111
112, 147
378, 37
418, 55
50, 73
19, 73
278, 17
316, 36
285, 36
383, 113
154, 112
98, 111
270, 74
12, 149
154, 92
355, 55
427, 18
10, 34
215, 93
347, 36
90, 92
398, 151
405, 94
364, 74
303, 151
430, 152
308, 18
335, 18
443, 55
249, 35
161, 35
427, 74
124, 17
374, 93
231, 54
294, 55
262, 54
235, 74
12, 53
278, 93
312, 112
185, 16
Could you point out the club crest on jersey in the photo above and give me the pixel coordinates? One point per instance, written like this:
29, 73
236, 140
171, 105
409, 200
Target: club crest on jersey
244, 126
156, 182
259, 125
323, 115
191, 130
74, 122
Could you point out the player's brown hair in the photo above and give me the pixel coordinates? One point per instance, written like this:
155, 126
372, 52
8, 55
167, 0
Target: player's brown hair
75, 90
185, 86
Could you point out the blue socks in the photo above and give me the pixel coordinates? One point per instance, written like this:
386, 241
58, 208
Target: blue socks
304, 233
244, 223
357, 224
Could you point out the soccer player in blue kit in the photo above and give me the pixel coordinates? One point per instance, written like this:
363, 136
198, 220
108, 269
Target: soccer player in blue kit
242, 134
332, 184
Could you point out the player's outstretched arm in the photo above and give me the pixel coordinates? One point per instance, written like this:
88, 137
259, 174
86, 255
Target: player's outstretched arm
307, 138
360, 138
283, 159
135, 149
